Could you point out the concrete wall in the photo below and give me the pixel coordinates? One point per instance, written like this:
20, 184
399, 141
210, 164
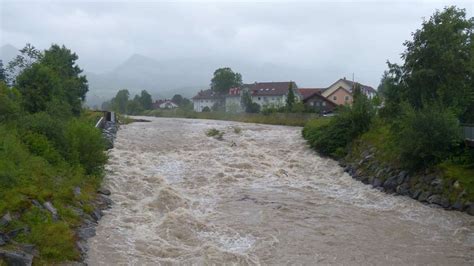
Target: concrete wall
199, 104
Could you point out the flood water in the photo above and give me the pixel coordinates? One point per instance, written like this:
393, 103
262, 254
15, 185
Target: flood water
259, 196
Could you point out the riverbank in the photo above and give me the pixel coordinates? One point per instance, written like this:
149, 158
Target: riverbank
372, 159
286, 119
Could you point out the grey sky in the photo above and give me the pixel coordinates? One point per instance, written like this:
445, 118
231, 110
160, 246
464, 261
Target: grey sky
333, 38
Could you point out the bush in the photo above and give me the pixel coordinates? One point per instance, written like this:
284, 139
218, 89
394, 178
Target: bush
85, 146
206, 109
333, 138
427, 136
215, 133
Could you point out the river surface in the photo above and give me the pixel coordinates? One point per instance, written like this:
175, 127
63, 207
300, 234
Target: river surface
260, 197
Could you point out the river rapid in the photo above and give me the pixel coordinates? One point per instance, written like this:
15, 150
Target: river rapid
258, 197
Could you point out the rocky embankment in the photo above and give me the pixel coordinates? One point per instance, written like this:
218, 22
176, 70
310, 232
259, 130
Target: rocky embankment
428, 187
14, 253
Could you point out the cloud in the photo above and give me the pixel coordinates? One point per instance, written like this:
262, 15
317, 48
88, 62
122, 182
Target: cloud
329, 39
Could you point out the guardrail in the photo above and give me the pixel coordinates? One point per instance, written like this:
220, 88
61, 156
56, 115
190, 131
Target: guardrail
107, 117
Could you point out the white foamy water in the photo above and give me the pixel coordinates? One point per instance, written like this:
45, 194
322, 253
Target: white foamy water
184, 198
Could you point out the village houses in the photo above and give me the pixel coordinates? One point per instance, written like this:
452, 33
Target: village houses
274, 94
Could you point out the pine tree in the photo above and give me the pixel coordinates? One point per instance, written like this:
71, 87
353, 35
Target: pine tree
290, 99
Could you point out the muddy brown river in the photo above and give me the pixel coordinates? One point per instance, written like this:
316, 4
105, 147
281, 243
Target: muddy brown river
258, 197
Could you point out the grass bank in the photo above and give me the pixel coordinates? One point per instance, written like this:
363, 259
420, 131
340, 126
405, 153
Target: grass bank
287, 119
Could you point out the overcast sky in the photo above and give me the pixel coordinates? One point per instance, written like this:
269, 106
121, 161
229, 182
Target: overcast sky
335, 38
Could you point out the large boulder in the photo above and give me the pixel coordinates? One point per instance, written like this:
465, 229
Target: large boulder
5, 220
390, 184
49, 206
377, 182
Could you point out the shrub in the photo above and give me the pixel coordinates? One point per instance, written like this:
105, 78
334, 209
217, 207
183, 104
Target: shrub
427, 136
332, 138
85, 146
215, 133
206, 109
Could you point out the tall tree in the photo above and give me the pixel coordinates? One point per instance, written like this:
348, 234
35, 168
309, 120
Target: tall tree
438, 65
63, 62
120, 101
28, 55
290, 98
177, 99
145, 100
224, 79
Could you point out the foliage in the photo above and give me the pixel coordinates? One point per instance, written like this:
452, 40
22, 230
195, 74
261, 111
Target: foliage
145, 100
28, 55
426, 137
120, 101
224, 79
3, 73
9, 103
334, 137
215, 133
438, 65
248, 104
290, 99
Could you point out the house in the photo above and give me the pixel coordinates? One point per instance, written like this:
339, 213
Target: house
271, 93
205, 98
318, 102
306, 92
233, 101
340, 92
164, 104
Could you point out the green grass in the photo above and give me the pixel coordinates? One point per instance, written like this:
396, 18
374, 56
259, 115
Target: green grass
462, 173
287, 119
33, 168
215, 133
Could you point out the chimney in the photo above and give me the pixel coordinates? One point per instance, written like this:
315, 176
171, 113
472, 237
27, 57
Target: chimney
344, 78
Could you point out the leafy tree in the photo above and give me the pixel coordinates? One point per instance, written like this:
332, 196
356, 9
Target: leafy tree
145, 100
177, 99
290, 99
63, 62
3, 73
9, 103
28, 55
438, 65
120, 101
38, 85
134, 107
224, 79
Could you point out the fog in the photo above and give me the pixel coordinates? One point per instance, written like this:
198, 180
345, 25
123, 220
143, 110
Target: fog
174, 47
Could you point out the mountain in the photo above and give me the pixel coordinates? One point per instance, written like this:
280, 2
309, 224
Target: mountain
7, 53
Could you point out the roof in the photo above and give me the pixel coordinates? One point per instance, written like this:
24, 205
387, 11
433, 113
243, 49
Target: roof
364, 88
339, 88
270, 88
318, 95
206, 94
307, 92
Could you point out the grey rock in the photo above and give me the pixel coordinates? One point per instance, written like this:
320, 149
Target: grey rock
377, 183
82, 247
470, 208
104, 191
381, 189
16, 258
434, 199
3, 239
402, 177
49, 206
105, 202
29, 248
37, 204
96, 214
416, 194
5, 220
424, 196
86, 232
403, 189
390, 184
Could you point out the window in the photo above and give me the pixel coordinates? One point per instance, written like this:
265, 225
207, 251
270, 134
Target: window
318, 103
312, 103
324, 103
259, 98
334, 98
347, 98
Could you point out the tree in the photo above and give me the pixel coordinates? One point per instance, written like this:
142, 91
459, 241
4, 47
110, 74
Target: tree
38, 85
120, 101
438, 64
224, 79
134, 107
63, 62
3, 73
145, 100
177, 99
290, 99
248, 104
28, 55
